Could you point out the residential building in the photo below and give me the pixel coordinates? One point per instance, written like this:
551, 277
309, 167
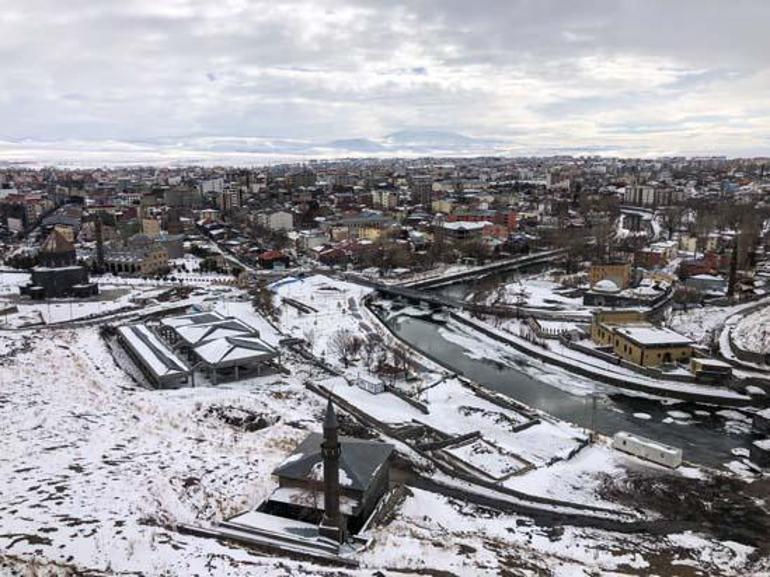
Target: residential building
277, 220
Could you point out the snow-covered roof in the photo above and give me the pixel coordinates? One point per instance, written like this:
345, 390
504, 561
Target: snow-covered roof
461, 225
360, 460
152, 352
652, 336
713, 363
195, 334
648, 443
606, 286
192, 319
232, 349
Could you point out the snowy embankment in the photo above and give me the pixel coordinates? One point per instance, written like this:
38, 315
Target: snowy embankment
96, 471
698, 322
752, 332
585, 365
746, 329
434, 533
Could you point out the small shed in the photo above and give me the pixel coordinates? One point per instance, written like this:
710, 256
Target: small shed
647, 449
370, 385
710, 370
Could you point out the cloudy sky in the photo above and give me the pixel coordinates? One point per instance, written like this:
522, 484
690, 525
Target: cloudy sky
189, 78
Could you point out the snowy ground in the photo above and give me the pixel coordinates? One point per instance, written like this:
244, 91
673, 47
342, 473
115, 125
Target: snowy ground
752, 333
93, 468
336, 305
537, 291
97, 471
697, 322
440, 534
456, 410
112, 298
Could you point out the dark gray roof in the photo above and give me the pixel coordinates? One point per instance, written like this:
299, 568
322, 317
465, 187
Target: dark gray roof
359, 459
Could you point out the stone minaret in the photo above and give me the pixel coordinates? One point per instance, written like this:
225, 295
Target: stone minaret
331, 524
99, 245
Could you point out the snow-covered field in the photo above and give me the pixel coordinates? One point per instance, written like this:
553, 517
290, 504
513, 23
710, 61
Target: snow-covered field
697, 322
456, 410
436, 534
535, 292
95, 470
752, 333
336, 305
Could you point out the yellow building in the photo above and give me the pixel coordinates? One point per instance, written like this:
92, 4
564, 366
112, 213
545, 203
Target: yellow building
66, 231
617, 272
444, 205
688, 243
638, 341
145, 261
151, 227
369, 233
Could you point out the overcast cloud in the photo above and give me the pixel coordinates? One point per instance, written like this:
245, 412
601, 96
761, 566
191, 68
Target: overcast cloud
192, 78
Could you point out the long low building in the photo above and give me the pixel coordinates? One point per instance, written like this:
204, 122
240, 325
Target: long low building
154, 357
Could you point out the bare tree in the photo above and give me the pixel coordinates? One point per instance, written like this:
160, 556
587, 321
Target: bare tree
345, 345
402, 362
671, 219
262, 301
370, 347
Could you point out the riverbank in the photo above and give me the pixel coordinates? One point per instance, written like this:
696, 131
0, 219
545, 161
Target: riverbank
670, 389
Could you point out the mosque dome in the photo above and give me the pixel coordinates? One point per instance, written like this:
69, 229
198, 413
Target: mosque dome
606, 286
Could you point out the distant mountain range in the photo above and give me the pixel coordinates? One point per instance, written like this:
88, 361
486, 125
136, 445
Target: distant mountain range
254, 150
418, 142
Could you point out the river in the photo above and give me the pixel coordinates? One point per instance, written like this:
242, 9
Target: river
706, 435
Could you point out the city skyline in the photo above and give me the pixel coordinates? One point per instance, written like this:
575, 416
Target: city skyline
243, 82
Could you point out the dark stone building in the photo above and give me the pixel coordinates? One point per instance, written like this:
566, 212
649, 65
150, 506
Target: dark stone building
333, 481
58, 274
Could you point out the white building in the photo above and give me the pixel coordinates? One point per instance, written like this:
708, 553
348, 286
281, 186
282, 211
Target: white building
278, 220
385, 199
215, 185
309, 239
